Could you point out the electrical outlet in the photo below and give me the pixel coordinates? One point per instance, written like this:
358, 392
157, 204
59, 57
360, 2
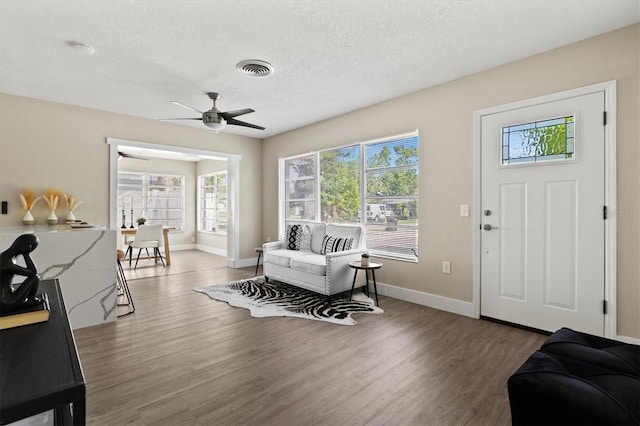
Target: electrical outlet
446, 267
5, 207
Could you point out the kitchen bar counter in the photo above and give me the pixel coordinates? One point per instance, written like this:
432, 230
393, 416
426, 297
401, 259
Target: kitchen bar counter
84, 262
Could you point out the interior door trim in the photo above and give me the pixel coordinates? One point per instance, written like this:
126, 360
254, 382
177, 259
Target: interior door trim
609, 88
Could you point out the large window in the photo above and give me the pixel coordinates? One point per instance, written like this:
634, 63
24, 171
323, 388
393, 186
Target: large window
158, 198
373, 183
213, 203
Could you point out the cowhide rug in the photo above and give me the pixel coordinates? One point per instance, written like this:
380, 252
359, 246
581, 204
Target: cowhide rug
277, 299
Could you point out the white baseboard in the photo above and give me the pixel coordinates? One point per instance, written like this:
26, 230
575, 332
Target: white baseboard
454, 306
179, 247
212, 250
243, 263
447, 304
626, 339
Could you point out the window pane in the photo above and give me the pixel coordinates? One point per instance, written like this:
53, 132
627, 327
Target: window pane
300, 167
300, 189
548, 140
392, 182
393, 240
301, 210
213, 202
391, 204
399, 152
340, 184
209, 225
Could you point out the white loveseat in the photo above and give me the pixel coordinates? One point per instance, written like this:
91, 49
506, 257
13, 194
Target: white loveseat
306, 266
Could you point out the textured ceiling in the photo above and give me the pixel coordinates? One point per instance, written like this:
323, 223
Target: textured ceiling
330, 56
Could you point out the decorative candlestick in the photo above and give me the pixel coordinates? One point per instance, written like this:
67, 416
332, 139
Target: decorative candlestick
124, 219
132, 219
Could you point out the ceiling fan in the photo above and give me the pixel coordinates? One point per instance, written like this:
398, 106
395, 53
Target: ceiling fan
216, 119
122, 155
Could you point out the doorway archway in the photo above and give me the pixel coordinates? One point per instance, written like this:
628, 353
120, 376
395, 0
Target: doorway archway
233, 174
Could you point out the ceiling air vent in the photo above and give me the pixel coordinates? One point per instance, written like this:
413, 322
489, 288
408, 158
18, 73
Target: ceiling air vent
255, 68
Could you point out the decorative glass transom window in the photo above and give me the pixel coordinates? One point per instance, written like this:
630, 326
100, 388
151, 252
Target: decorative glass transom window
548, 140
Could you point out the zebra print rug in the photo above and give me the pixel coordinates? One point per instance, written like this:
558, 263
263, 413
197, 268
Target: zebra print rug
277, 299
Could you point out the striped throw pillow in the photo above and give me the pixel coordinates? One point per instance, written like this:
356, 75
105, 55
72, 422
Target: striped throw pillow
333, 244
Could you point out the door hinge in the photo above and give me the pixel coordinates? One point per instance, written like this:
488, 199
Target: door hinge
605, 212
604, 118
604, 307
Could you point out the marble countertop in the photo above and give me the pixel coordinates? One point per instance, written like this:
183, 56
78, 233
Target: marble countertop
45, 229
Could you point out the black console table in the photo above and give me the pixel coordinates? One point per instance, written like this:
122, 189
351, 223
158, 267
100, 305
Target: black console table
40, 369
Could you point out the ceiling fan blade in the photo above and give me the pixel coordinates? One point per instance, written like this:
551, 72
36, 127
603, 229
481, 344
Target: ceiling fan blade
185, 118
186, 106
231, 114
235, 122
135, 157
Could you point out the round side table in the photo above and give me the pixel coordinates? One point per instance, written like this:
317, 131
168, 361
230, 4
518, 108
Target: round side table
258, 250
357, 266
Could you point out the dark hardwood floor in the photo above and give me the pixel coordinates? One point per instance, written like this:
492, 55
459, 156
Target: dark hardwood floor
184, 359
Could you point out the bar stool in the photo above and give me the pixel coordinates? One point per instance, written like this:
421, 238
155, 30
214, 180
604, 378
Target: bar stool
123, 286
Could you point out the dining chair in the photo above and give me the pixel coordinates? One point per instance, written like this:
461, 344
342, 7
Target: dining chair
148, 236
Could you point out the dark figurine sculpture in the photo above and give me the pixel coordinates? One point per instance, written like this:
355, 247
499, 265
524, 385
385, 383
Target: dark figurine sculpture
24, 294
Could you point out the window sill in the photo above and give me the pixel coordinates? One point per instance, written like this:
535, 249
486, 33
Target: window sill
389, 256
224, 234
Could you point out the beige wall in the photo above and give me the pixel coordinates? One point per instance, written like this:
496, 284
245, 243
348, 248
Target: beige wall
443, 115
45, 144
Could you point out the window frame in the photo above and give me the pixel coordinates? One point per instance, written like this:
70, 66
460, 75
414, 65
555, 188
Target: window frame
202, 209
146, 195
363, 169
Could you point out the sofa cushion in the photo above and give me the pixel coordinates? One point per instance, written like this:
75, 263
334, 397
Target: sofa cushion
283, 257
612, 354
315, 264
345, 231
550, 389
318, 231
332, 244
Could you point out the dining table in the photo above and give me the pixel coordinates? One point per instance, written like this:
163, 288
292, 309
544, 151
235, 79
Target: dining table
165, 234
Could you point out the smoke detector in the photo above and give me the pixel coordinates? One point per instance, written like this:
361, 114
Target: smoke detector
255, 68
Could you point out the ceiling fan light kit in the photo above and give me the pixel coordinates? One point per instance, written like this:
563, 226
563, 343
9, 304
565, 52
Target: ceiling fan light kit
213, 121
216, 119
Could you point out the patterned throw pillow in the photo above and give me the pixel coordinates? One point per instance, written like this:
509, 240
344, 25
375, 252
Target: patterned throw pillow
333, 244
293, 237
305, 242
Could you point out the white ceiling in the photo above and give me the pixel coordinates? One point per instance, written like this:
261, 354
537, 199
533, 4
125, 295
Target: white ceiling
330, 56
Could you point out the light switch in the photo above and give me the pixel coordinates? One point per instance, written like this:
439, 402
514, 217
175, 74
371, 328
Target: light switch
464, 210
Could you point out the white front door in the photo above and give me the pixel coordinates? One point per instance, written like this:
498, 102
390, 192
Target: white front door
543, 229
